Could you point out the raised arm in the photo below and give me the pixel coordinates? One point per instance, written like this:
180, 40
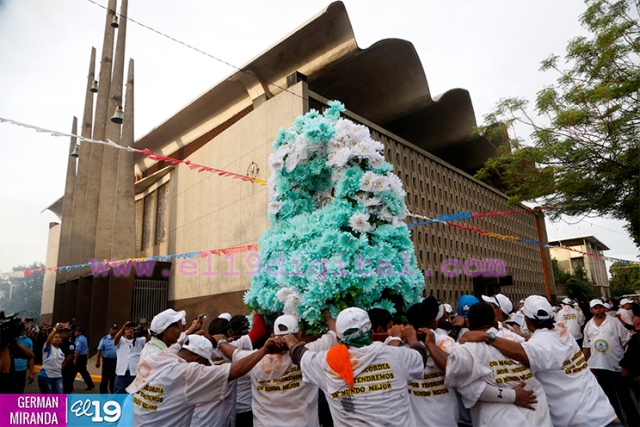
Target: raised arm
511, 349
438, 355
329, 321
244, 365
54, 331
116, 339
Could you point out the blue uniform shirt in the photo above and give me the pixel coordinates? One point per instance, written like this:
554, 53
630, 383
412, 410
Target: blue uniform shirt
21, 364
82, 344
107, 348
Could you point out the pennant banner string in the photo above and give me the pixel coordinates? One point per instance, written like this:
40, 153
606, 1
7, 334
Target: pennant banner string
99, 267
146, 151
448, 218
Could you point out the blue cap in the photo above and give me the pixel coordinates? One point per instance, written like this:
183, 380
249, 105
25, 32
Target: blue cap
464, 302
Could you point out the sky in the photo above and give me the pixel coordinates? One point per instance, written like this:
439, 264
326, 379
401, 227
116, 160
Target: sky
492, 48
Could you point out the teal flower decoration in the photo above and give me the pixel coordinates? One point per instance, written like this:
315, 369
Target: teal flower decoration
335, 239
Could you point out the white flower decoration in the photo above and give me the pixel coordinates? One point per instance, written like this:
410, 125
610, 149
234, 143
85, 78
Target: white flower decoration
376, 160
366, 183
360, 222
276, 162
381, 183
364, 150
291, 299
385, 214
340, 158
274, 207
272, 186
367, 201
396, 185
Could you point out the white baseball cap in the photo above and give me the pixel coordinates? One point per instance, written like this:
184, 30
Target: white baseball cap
199, 345
224, 316
285, 324
595, 302
500, 301
448, 308
352, 318
537, 307
162, 320
624, 301
567, 301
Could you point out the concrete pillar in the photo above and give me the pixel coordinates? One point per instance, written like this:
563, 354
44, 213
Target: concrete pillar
124, 224
58, 303
80, 190
107, 222
103, 107
99, 305
70, 301
83, 309
67, 202
120, 297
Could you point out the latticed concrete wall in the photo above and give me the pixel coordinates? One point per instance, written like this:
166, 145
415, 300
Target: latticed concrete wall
434, 188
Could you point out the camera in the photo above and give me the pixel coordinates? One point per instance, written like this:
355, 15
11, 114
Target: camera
11, 327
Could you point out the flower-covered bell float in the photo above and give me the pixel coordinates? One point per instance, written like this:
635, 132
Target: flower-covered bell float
337, 236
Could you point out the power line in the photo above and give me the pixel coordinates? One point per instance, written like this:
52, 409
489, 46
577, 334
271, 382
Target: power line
198, 50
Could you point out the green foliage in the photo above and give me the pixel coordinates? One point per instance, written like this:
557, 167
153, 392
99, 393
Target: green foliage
22, 295
581, 290
625, 279
577, 284
585, 158
560, 276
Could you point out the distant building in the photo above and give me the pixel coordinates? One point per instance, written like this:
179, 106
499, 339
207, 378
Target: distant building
594, 266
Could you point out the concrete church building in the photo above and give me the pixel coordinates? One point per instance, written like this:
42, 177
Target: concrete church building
232, 127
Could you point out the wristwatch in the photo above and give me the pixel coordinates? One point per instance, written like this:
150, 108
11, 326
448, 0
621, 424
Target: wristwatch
490, 337
222, 341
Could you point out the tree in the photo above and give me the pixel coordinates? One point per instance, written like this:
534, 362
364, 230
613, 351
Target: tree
560, 276
625, 279
20, 293
576, 282
579, 286
583, 156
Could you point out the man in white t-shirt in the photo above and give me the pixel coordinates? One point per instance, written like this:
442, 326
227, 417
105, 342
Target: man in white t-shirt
433, 404
365, 382
572, 319
169, 385
624, 313
477, 370
279, 395
604, 342
221, 413
128, 349
502, 308
574, 397
165, 328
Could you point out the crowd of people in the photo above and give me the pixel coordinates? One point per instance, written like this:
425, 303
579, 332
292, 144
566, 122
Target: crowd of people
484, 363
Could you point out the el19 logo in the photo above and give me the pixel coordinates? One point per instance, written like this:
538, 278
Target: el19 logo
98, 410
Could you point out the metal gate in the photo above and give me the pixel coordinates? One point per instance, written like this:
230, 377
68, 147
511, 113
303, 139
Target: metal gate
149, 299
